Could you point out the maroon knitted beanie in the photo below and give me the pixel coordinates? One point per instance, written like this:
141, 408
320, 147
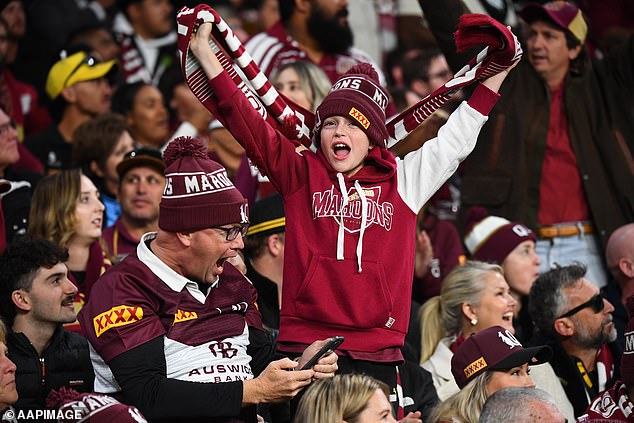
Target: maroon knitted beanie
91, 407
358, 96
492, 238
198, 193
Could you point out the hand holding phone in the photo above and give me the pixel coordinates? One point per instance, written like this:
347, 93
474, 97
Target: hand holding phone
327, 349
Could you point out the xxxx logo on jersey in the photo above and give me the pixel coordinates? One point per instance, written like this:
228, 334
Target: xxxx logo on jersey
182, 316
117, 316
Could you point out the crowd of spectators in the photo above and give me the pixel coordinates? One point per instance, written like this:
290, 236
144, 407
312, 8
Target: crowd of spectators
166, 260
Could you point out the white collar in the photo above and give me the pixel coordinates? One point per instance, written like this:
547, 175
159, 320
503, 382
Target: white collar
175, 281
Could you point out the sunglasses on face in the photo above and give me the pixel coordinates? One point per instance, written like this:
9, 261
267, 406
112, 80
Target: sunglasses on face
233, 232
596, 302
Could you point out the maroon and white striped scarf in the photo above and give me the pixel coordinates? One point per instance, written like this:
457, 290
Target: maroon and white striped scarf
501, 50
613, 405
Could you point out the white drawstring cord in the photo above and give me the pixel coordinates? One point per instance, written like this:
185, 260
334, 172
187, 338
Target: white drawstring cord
364, 220
344, 203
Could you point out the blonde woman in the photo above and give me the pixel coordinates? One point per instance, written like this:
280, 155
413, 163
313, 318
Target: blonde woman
488, 361
66, 210
473, 297
8, 392
350, 398
303, 82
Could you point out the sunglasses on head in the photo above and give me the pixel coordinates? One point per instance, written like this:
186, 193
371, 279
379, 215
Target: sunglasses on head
88, 61
596, 302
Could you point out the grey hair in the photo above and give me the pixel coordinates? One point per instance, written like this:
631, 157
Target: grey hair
510, 404
546, 299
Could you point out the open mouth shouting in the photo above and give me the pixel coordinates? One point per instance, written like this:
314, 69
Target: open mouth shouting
341, 150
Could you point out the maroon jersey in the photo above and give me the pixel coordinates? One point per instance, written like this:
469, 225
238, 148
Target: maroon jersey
205, 336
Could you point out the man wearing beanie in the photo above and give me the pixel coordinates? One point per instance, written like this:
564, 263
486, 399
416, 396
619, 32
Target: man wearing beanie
616, 404
174, 326
350, 209
556, 154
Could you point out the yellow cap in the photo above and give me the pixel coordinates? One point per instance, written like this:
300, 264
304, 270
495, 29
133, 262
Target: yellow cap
75, 68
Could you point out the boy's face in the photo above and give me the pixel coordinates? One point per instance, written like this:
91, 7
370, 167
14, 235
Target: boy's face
344, 144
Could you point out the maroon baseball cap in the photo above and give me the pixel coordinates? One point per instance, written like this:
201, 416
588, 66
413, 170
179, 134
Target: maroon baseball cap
494, 348
565, 15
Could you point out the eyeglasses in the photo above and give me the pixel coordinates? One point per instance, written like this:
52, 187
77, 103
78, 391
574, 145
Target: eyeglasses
233, 232
596, 302
88, 61
5, 128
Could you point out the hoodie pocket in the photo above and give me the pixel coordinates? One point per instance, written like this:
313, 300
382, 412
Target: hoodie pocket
334, 292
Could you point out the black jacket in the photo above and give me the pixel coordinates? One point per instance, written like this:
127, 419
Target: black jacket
504, 170
567, 372
65, 362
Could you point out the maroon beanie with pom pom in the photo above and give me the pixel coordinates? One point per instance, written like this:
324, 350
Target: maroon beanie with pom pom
96, 408
198, 193
492, 238
358, 96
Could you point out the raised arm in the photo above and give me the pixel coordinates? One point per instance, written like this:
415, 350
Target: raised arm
199, 46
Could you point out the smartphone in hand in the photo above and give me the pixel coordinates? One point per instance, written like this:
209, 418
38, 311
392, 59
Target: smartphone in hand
327, 349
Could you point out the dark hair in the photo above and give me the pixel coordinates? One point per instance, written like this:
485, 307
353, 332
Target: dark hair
286, 9
19, 264
546, 299
579, 63
416, 67
254, 245
95, 140
123, 99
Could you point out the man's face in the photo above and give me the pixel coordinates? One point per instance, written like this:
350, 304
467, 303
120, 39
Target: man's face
148, 118
4, 44
152, 18
15, 18
92, 97
140, 192
103, 45
51, 296
328, 25
209, 250
593, 328
8, 141
547, 50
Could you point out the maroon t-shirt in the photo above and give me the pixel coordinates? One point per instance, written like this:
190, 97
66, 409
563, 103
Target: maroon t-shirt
561, 195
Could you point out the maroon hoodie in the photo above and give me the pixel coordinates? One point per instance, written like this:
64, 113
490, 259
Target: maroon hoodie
349, 259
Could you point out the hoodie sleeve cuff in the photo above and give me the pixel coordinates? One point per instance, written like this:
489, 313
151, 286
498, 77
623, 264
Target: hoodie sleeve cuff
483, 99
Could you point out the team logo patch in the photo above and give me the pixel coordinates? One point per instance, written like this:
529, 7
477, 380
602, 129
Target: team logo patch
182, 316
477, 365
117, 316
359, 117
